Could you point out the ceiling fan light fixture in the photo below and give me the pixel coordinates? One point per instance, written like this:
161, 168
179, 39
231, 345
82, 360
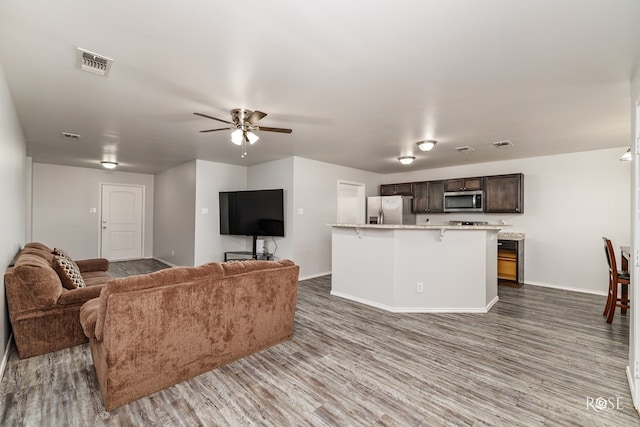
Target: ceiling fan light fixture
236, 136
406, 160
426, 145
108, 165
253, 138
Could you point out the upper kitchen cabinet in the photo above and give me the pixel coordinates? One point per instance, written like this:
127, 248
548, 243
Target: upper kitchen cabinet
504, 193
428, 197
463, 184
405, 189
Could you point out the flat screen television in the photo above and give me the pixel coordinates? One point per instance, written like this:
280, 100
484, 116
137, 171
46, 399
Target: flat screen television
252, 213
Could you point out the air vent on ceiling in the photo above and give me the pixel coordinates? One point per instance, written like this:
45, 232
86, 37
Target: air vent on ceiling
71, 136
502, 144
93, 62
466, 149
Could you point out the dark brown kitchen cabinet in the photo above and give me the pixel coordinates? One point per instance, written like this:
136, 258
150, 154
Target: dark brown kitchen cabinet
428, 197
504, 193
463, 184
405, 189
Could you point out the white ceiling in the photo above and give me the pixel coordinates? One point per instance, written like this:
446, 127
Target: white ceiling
358, 82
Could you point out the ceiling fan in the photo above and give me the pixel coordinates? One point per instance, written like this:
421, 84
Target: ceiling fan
243, 125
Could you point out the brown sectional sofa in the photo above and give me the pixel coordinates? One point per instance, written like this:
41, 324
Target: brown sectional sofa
44, 315
149, 332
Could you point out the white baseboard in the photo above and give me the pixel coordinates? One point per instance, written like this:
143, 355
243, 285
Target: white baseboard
566, 288
416, 309
5, 357
632, 388
313, 276
164, 261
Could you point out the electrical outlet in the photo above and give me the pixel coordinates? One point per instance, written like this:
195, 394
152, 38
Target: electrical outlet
419, 287
172, 253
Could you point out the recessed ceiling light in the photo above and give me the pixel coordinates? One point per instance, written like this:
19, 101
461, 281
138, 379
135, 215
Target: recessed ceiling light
406, 160
108, 165
426, 145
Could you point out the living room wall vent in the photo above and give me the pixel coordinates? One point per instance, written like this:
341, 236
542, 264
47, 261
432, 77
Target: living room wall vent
93, 62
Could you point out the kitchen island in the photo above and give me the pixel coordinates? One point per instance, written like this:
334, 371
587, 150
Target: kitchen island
416, 268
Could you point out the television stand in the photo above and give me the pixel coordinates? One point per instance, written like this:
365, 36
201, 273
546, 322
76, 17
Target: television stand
246, 255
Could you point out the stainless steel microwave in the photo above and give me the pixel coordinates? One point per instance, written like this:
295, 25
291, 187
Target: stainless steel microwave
463, 201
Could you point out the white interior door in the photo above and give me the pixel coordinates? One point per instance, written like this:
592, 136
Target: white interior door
351, 203
121, 221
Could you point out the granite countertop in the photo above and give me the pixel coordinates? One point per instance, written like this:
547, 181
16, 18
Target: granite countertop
423, 227
503, 235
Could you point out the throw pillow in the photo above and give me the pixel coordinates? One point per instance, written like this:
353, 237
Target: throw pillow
68, 272
62, 253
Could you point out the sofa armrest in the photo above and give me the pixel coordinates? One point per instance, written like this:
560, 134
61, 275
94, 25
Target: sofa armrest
79, 295
89, 316
95, 264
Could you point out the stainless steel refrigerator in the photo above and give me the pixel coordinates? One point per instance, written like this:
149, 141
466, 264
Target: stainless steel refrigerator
390, 210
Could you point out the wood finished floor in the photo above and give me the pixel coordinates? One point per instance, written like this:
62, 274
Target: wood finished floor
534, 360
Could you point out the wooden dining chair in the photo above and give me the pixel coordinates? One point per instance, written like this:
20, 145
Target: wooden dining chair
616, 277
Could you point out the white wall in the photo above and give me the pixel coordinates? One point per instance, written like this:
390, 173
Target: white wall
174, 222
313, 187
274, 175
570, 202
211, 178
13, 183
634, 322
61, 202
315, 190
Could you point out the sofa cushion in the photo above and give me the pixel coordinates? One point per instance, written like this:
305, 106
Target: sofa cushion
68, 272
92, 278
47, 255
39, 281
88, 317
37, 245
94, 264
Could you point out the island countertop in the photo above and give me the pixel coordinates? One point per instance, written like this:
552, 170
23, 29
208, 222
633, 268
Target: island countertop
423, 227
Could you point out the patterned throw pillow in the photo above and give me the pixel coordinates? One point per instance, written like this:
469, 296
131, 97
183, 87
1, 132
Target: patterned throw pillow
68, 272
62, 253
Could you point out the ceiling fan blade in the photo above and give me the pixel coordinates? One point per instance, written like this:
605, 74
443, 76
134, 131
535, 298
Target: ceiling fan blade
213, 130
212, 118
268, 129
255, 116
